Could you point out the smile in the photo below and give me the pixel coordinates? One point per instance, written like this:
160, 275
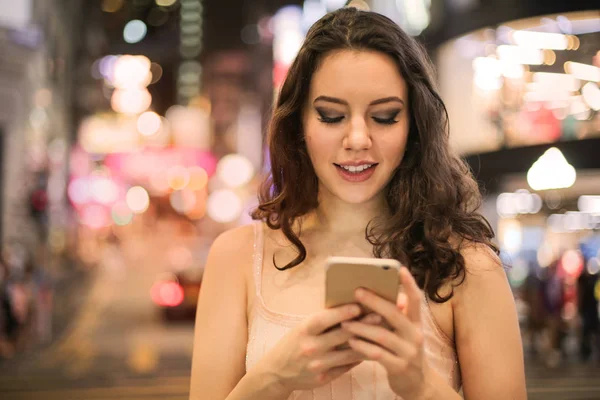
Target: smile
356, 173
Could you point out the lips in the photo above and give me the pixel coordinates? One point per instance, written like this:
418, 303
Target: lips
356, 173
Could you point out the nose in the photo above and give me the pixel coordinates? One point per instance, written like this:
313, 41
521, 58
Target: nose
357, 137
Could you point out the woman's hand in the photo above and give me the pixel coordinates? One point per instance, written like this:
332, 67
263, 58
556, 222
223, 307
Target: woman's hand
399, 349
315, 352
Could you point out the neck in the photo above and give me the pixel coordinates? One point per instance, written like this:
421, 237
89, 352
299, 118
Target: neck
335, 216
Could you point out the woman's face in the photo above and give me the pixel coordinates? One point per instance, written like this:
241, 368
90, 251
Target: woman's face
356, 124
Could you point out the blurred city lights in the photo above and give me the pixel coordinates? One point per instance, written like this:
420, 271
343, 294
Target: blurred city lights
104, 190
137, 199
593, 266
165, 3
520, 55
131, 101
130, 72
180, 257
121, 214
178, 177
224, 206
583, 71
545, 255
235, 170
149, 123
512, 236
518, 272
156, 71
159, 182
198, 178
167, 294
521, 202
416, 15
95, 216
589, 204
183, 201
540, 40
551, 171
572, 262
111, 6
134, 31
78, 191
333, 5
591, 95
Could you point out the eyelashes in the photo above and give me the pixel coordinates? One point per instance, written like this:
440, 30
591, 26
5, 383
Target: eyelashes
328, 119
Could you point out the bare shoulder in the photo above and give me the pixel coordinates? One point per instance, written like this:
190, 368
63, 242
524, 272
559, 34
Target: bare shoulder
233, 248
487, 329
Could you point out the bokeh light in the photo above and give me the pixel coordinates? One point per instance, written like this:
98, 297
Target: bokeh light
224, 206
131, 101
95, 216
235, 170
137, 199
165, 3
111, 6
178, 177
130, 72
79, 191
149, 123
572, 262
183, 201
121, 214
198, 178
135, 31
104, 190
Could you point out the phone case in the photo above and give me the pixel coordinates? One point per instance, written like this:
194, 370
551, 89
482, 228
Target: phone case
343, 275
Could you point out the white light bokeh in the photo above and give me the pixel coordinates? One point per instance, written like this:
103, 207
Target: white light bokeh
551, 171
224, 206
131, 101
135, 31
137, 199
235, 170
149, 123
131, 72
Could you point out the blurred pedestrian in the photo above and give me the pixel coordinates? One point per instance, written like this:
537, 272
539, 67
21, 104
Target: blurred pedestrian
588, 312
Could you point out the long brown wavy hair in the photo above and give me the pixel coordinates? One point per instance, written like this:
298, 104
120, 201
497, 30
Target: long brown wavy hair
432, 197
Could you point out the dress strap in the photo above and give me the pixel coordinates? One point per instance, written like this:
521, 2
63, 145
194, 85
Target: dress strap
258, 256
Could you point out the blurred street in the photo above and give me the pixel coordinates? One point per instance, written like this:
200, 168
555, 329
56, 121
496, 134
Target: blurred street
118, 347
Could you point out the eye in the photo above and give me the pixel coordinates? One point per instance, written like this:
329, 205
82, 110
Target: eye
387, 120
328, 119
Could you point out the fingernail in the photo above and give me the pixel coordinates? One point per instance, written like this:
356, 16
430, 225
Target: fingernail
360, 293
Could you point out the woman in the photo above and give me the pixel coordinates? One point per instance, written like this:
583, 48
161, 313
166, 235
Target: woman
360, 167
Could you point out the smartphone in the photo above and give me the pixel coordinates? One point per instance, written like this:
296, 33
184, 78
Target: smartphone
343, 275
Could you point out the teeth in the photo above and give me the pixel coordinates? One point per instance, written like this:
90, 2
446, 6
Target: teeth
358, 168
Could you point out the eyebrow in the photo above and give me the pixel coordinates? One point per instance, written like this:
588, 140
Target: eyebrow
345, 103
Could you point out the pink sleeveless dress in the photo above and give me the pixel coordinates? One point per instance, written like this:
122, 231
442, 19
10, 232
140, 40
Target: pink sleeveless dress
367, 381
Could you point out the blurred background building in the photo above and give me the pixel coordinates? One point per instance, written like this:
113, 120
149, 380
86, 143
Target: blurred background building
132, 134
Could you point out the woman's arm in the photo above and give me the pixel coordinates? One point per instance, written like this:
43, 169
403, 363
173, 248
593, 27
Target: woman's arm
487, 335
220, 337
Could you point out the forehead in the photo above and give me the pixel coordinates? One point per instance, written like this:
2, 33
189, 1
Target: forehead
350, 73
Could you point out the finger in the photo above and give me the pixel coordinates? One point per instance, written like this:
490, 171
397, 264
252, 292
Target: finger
372, 319
321, 321
413, 294
335, 373
327, 341
334, 359
386, 309
379, 336
390, 362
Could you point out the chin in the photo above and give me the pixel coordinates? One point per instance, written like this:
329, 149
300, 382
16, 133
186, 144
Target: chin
356, 196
